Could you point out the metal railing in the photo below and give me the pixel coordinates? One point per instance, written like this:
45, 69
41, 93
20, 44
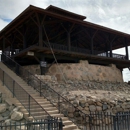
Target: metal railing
21, 94
43, 124
84, 51
117, 56
92, 121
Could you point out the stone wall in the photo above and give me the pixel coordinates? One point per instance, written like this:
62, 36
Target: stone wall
86, 71
81, 71
35, 69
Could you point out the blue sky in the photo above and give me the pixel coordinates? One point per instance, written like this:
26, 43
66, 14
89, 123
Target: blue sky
110, 13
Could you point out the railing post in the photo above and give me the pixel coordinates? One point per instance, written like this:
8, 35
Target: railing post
28, 78
59, 102
29, 104
40, 89
3, 78
60, 125
114, 122
13, 88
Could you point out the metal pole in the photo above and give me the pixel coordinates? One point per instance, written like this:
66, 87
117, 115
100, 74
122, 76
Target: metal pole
40, 89
3, 78
29, 104
13, 88
59, 102
28, 78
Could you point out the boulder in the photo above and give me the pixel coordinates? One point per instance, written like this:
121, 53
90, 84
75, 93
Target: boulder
92, 108
3, 108
107, 121
104, 107
71, 109
82, 103
16, 116
99, 108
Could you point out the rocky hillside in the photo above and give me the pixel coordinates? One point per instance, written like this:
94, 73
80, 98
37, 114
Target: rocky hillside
92, 96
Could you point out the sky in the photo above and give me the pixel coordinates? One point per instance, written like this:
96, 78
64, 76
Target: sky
110, 13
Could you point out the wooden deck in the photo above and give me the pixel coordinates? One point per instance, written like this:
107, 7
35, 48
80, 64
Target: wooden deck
118, 60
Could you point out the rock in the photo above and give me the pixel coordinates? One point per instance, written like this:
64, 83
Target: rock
71, 109
99, 104
92, 108
91, 102
1, 118
86, 108
71, 115
72, 98
99, 108
104, 107
6, 113
82, 103
7, 122
76, 103
107, 120
17, 116
3, 108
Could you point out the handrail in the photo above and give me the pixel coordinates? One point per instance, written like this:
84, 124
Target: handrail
40, 90
22, 89
42, 82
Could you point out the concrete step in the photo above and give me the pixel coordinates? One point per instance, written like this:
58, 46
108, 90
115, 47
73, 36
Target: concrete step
57, 115
47, 105
38, 117
38, 100
67, 122
50, 108
70, 127
34, 109
53, 112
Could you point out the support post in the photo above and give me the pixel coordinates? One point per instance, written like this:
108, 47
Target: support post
91, 45
92, 41
29, 104
24, 41
3, 44
69, 42
126, 49
111, 49
40, 35
43, 65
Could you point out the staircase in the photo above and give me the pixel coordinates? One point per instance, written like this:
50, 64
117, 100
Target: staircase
36, 111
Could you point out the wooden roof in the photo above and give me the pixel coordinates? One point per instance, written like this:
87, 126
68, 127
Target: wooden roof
69, 17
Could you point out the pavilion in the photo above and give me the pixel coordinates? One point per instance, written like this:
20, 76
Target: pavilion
41, 34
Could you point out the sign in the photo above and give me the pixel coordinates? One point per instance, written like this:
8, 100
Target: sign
43, 64
30, 53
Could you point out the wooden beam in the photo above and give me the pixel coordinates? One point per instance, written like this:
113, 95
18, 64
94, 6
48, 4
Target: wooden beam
69, 41
92, 41
126, 49
3, 48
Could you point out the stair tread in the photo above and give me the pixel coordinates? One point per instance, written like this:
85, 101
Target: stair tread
44, 103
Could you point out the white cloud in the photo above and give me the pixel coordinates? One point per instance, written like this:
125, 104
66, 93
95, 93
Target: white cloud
2, 23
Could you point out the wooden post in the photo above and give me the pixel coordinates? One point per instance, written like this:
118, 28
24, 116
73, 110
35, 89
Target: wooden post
3, 44
24, 41
91, 45
40, 35
111, 49
126, 49
92, 41
69, 41
106, 49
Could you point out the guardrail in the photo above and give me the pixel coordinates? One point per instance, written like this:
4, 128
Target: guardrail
92, 121
43, 124
17, 91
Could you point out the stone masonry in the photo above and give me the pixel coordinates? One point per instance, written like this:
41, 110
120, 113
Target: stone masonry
81, 71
